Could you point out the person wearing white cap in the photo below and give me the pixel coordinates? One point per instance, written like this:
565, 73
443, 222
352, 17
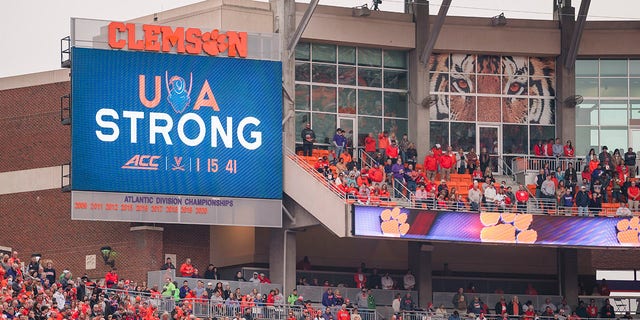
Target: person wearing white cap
582, 201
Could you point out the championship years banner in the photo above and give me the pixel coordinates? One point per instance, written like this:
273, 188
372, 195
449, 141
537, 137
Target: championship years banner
496, 227
156, 131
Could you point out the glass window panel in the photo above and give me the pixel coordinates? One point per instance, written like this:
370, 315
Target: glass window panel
586, 68
323, 99
347, 100
613, 87
514, 139
463, 63
613, 113
488, 109
323, 73
438, 133
302, 51
395, 79
537, 133
397, 126
347, 75
370, 102
346, 55
488, 64
634, 68
368, 125
395, 59
324, 125
489, 84
323, 52
586, 139
439, 106
301, 119
303, 72
440, 82
542, 110
634, 87
303, 97
615, 68
635, 109
370, 77
614, 138
463, 108
439, 62
587, 87
515, 110
369, 57
587, 113
462, 83
395, 104
463, 135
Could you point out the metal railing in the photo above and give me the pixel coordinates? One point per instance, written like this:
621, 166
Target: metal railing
313, 172
535, 205
217, 309
525, 163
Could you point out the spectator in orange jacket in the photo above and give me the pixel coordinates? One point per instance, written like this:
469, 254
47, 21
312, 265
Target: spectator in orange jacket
186, 269
383, 143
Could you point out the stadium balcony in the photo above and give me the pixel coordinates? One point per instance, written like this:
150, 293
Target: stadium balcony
521, 170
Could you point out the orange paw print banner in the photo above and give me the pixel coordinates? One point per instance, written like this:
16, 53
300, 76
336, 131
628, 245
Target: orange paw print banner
496, 227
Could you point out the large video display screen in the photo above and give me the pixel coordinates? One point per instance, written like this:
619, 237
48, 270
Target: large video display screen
176, 124
496, 227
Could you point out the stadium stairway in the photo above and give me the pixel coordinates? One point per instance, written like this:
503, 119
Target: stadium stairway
310, 194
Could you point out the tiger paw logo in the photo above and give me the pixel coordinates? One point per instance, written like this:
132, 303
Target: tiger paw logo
507, 227
394, 223
628, 230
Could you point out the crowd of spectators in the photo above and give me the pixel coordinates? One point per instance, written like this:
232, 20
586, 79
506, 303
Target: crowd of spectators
605, 178
388, 170
469, 303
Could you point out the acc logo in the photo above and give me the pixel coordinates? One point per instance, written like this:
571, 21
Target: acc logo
179, 96
142, 162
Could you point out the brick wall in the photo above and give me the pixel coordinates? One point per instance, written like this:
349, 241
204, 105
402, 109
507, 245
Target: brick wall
31, 135
188, 241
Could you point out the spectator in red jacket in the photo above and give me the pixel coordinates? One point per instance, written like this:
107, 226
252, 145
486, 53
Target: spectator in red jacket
539, 149
370, 145
522, 196
430, 166
383, 143
186, 269
393, 151
360, 279
111, 278
446, 163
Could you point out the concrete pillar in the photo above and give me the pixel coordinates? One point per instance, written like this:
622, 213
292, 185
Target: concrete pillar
420, 264
148, 250
419, 83
565, 79
282, 259
284, 23
568, 268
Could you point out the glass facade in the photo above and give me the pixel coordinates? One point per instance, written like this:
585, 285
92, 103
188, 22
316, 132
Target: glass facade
513, 93
367, 84
611, 106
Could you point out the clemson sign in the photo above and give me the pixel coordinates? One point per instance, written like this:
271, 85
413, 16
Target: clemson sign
156, 38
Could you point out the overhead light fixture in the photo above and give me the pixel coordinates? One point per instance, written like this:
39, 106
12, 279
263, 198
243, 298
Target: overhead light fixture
361, 11
499, 20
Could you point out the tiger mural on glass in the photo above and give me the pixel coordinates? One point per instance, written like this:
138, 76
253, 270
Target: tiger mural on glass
503, 88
